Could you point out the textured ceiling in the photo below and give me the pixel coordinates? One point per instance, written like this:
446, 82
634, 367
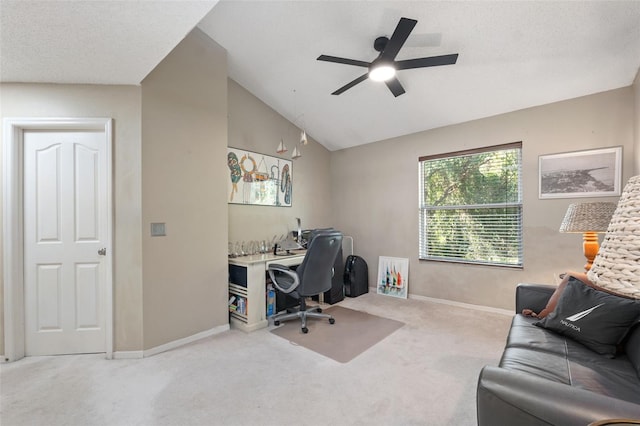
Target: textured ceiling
101, 42
513, 55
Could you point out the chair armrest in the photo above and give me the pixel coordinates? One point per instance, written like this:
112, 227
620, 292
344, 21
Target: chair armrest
512, 397
533, 296
278, 267
285, 279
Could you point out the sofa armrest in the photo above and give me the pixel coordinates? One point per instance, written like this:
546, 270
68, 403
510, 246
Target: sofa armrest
533, 296
528, 400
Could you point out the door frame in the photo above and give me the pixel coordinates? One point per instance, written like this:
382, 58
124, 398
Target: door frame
13, 226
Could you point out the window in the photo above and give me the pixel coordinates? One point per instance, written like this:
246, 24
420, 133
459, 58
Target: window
471, 206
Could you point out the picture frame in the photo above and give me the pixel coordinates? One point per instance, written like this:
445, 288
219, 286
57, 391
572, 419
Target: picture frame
393, 276
258, 179
588, 173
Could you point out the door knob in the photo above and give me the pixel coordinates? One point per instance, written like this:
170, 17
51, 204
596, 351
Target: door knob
102, 251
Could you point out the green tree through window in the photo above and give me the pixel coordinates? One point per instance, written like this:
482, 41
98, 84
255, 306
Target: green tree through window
471, 206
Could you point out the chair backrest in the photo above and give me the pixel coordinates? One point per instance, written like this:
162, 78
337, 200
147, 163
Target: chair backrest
316, 269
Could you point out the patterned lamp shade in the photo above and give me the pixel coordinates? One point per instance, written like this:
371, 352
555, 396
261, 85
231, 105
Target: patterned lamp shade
587, 217
617, 264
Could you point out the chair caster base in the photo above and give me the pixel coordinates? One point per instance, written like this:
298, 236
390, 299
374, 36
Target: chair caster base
276, 322
332, 321
305, 330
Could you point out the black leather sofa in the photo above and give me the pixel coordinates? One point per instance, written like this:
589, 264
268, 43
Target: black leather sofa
544, 378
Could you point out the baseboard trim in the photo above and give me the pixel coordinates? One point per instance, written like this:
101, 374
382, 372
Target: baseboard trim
170, 345
186, 340
127, 355
454, 303
463, 305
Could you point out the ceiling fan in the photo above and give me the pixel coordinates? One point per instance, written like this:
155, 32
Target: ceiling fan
384, 67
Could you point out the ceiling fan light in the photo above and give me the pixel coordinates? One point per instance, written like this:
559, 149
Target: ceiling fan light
382, 72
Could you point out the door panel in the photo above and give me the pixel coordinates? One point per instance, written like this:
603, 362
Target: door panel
87, 296
47, 172
86, 193
49, 294
65, 177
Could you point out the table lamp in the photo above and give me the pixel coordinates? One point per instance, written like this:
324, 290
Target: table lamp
588, 219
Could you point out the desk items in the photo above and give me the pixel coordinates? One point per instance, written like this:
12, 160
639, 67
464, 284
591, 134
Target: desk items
271, 300
248, 248
282, 246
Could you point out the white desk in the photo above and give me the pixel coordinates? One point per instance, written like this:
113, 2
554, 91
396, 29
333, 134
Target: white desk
247, 280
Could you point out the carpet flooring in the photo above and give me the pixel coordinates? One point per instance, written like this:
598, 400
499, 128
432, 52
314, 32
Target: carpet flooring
352, 333
424, 373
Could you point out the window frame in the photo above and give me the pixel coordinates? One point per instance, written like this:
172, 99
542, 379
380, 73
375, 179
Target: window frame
424, 208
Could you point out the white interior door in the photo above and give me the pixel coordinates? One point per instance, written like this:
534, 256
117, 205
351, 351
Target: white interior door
65, 235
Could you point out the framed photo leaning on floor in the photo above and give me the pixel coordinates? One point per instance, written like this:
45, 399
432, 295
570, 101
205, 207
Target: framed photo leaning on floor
393, 276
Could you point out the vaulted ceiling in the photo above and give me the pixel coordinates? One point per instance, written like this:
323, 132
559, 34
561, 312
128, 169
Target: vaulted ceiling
512, 55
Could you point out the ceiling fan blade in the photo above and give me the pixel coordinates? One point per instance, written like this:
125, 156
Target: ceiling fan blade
432, 61
350, 85
400, 35
343, 61
395, 87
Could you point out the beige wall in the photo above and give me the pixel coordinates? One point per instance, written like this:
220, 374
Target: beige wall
376, 189
167, 136
184, 140
175, 126
122, 103
256, 127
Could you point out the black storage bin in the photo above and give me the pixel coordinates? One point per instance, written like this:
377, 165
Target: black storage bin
356, 276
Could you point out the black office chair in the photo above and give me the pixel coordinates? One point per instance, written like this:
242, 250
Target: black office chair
311, 278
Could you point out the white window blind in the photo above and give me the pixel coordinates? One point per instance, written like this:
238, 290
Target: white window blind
471, 206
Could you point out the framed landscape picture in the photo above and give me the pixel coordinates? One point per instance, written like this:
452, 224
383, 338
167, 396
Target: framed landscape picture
591, 173
393, 276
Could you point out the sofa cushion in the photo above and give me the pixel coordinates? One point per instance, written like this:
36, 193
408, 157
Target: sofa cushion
548, 365
594, 318
523, 334
580, 368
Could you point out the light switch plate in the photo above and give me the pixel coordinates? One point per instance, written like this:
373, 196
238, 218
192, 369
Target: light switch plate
158, 230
